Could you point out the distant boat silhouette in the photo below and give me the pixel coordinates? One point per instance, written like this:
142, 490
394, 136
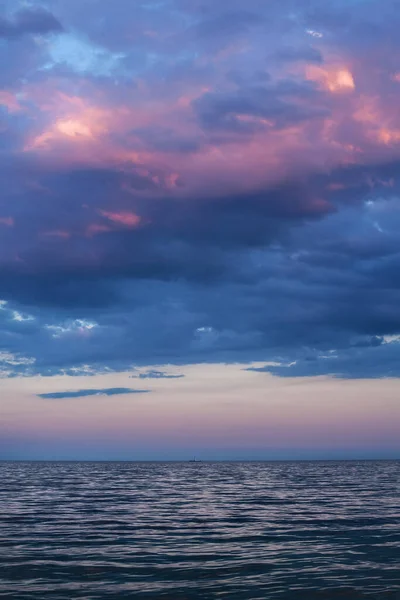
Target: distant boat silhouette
194, 460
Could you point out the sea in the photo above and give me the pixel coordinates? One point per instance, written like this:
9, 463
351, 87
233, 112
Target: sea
200, 530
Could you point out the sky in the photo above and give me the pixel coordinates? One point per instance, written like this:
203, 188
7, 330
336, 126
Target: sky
199, 229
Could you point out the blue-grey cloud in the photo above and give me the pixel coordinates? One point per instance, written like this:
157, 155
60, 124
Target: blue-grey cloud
302, 53
84, 393
372, 358
156, 375
248, 286
29, 20
278, 103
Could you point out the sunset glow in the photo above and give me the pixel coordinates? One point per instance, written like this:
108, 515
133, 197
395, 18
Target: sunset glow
335, 80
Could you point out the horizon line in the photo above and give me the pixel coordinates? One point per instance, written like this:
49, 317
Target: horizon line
166, 461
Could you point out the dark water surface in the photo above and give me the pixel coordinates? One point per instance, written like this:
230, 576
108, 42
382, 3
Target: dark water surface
309, 531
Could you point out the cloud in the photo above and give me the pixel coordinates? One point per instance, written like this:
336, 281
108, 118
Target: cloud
229, 24
27, 21
249, 110
84, 393
166, 139
321, 280
208, 182
71, 52
308, 54
370, 358
156, 375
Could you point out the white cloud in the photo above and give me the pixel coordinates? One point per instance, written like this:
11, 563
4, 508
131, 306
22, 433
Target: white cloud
76, 326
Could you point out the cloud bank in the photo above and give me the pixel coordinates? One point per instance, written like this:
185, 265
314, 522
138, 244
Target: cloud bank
84, 393
189, 182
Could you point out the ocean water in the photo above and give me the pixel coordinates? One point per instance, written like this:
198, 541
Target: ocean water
300, 530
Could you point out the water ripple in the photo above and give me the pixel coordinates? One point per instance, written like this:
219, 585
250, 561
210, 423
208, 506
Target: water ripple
245, 531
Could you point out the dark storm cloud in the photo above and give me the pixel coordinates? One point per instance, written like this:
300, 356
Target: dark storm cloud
29, 21
85, 393
277, 289
192, 241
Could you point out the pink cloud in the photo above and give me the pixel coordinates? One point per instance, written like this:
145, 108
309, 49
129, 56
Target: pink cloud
129, 219
96, 228
335, 78
7, 221
9, 100
359, 127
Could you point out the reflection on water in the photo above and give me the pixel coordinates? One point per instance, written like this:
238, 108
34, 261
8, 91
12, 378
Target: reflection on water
302, 531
